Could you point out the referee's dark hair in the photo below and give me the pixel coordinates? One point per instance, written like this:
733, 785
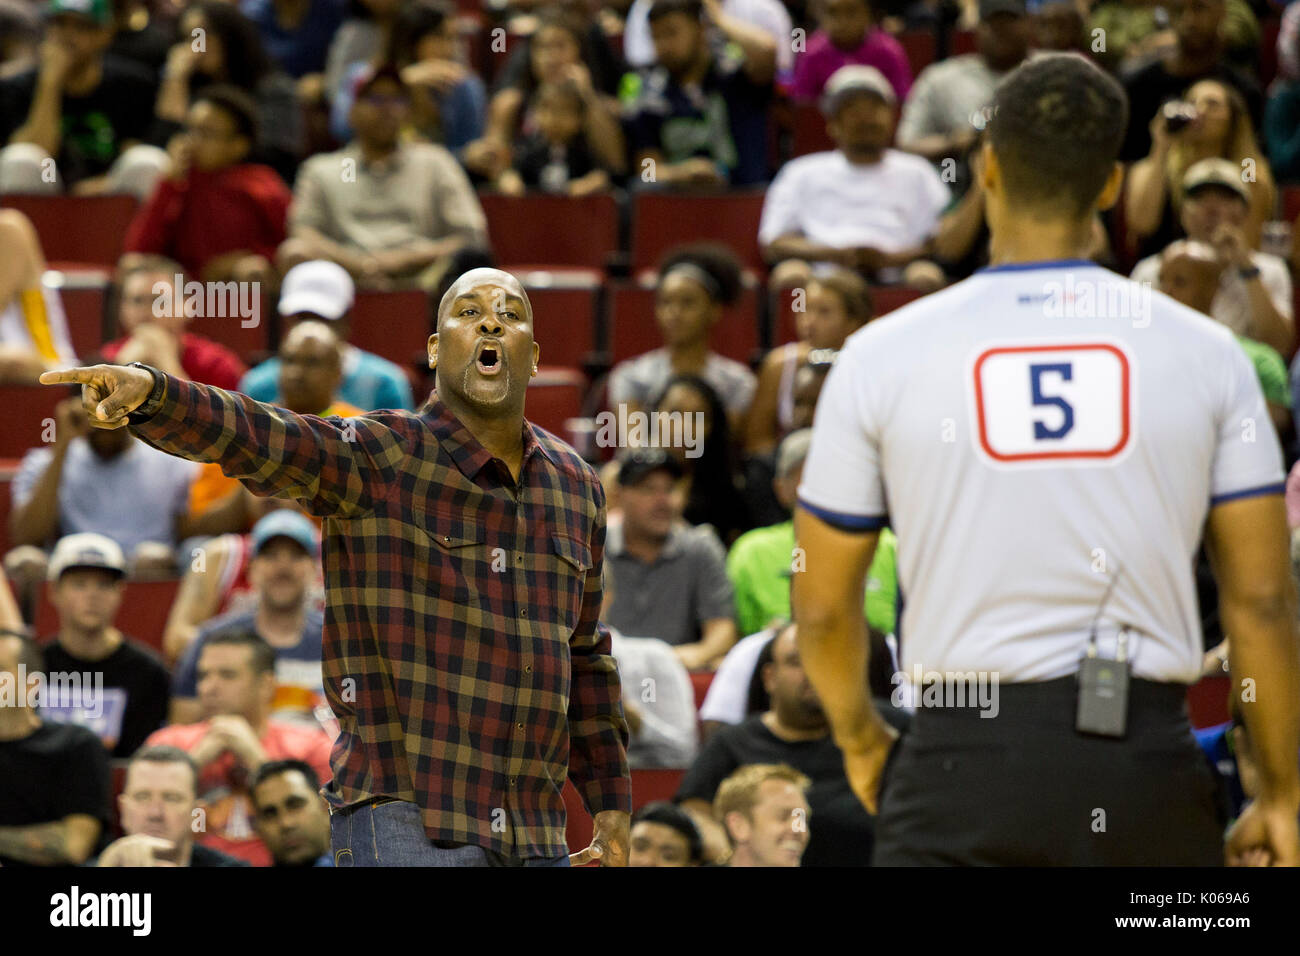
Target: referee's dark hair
1056, 128
670, 815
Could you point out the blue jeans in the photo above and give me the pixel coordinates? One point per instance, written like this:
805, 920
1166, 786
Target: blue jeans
391, 833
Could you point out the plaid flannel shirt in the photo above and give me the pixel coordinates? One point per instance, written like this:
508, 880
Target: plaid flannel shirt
463, 654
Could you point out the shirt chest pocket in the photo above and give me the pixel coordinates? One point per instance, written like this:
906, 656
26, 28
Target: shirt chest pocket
566, 566
452, 560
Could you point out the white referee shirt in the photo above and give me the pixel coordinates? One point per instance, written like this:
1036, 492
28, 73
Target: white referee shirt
1031, 435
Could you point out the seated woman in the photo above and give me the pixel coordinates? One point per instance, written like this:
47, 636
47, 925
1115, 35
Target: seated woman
562, 48
713, 495
232, 54
1217, 124
836, 304
695, 283
33, 328
448, 100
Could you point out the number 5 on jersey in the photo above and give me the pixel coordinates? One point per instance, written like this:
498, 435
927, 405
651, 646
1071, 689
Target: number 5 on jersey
1053, 403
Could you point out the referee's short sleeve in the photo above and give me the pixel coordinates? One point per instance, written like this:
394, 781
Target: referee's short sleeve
1248, 459
842, 482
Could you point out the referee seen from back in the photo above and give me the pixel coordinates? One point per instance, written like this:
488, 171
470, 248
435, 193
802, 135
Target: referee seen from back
1050, 442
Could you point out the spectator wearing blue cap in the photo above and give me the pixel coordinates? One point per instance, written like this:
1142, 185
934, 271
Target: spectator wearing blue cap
286, 553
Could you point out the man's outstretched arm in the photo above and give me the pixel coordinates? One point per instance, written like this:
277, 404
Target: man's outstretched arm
328, 464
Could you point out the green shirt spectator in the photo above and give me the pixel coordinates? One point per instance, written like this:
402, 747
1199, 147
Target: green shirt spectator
760, 564
1271, 369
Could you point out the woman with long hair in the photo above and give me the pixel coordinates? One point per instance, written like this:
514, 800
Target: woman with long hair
230, 52
448, 100
712, 494
1219, 125
836, 304
562, 48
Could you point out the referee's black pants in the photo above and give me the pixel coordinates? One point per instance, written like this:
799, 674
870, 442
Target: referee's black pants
1025, 788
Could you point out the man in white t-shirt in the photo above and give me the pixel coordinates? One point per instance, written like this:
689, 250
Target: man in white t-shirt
1049, 441
862, 205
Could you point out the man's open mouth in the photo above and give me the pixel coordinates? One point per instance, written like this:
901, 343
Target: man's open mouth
490, 359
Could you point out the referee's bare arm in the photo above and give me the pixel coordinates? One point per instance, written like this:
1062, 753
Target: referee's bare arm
1248, 546
832, 636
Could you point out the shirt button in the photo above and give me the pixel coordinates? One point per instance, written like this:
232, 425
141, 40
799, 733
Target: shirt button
512, 781
524, 612
519, 559
528, 668
446, 539
520, 725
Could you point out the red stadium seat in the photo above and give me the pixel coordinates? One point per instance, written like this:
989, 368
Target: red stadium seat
26, 409
700, 682
810, 135
919, 47
1207, 701
647, 787
1291, 205
8, 468
220, 319
540, 231
564, 316
661, 220
1268, 31
632, 328
83, 303
963, 41
143, 615
554, 396
395, 325
78, 230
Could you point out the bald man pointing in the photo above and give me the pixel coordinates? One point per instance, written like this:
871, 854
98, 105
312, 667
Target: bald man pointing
462, 551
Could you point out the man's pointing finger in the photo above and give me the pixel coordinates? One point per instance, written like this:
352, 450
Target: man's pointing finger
68, 376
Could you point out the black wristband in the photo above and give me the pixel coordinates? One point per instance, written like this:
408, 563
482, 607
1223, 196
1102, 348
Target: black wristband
150, 405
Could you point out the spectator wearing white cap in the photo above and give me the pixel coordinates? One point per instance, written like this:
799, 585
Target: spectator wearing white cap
285, 563
86, 574
324, 291
1254, 298
863, 205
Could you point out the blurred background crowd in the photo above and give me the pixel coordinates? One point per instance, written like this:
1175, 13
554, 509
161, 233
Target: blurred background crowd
703, 198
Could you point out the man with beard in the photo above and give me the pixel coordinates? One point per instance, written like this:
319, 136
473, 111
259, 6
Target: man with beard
793, 731
463, 548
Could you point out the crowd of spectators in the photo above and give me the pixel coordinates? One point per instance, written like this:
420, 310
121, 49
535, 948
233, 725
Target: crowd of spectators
319, 147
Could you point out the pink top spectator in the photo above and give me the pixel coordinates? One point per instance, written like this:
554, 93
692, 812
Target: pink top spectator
822, 58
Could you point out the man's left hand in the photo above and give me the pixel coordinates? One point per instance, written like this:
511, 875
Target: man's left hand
609, 844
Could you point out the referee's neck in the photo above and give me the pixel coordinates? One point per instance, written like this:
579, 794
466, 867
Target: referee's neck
1023, 238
